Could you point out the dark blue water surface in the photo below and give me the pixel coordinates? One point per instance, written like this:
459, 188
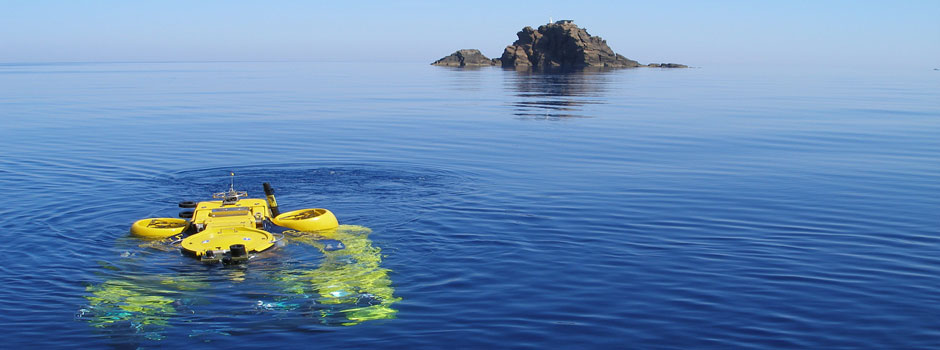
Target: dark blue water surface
712, 208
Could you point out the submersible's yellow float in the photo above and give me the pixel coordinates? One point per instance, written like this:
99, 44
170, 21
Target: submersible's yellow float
232, 226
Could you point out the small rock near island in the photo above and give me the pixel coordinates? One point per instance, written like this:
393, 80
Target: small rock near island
463, 58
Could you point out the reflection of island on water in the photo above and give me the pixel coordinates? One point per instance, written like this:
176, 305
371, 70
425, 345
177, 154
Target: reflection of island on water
557, 94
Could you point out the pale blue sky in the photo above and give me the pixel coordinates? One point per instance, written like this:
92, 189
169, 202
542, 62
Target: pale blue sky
854, 33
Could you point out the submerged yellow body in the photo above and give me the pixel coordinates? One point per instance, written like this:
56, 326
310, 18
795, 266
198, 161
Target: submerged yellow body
351, 278
349, 286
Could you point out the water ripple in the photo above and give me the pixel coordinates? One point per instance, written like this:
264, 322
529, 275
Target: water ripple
700, 208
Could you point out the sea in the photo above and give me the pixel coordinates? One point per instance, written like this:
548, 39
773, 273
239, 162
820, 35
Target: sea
714, 207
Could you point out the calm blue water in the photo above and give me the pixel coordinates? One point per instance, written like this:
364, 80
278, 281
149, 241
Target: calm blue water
725, 208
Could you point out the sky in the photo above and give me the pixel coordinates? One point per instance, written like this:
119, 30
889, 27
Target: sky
793, 32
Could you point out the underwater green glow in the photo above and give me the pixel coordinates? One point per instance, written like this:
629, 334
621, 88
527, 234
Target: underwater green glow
347, 288
146, 303
349, 277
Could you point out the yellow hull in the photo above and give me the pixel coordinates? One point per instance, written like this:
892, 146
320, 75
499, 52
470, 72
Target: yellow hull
233, 227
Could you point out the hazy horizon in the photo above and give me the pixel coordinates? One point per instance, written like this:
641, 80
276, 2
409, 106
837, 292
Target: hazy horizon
833, 33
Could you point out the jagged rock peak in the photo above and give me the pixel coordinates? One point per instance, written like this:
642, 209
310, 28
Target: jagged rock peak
561, 45
463, 58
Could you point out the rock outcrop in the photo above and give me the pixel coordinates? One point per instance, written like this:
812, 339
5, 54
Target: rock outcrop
463, 58
666, 65
554, 46
561, 45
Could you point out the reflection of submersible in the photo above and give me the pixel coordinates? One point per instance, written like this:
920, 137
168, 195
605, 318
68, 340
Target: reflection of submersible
348, 287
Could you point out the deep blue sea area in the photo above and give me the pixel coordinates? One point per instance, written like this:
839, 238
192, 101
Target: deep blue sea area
704, 208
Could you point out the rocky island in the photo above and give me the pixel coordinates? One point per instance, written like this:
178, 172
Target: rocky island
464, 58
559, 45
